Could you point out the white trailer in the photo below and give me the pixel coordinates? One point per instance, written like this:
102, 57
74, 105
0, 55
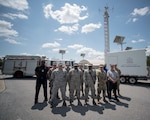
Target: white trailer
132, 64
20, 66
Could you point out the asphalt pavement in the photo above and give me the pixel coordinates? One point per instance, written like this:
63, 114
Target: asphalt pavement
17, 103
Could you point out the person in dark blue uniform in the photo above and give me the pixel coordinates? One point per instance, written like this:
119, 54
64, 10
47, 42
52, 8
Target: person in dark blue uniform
41, 73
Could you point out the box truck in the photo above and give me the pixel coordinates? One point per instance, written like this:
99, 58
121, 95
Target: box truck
132, 64
20, 65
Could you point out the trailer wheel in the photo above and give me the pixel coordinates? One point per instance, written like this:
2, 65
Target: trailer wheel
18, 74
122, 79
132, 80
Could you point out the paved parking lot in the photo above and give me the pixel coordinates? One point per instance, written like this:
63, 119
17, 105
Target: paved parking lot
17, 103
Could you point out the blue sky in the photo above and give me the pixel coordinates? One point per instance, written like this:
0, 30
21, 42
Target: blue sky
31, 27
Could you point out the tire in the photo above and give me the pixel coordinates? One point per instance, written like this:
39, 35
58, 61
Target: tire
132, 80
18, 74
122, 79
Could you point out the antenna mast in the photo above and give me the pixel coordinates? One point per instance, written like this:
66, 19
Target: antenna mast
106, 31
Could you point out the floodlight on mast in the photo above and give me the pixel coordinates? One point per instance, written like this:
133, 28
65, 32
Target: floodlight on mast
83, 55
62, 52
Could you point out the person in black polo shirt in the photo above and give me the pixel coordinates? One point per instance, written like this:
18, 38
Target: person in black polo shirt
41, 73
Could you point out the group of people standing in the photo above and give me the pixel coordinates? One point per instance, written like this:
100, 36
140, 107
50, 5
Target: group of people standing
78, 80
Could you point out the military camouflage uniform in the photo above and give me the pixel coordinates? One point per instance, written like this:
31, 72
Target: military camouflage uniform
101, 85
51, 80
89, 78
60, 79
75, 76
82, 70
118, 82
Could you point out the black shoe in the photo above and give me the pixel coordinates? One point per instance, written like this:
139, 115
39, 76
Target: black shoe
94, 103
117, 100
85, 102
52, 104
105, 100
110, 100
58, 97
79, 103
64, 103
45, 99
71, 101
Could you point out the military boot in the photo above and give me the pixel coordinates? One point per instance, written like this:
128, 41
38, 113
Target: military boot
86, 101
79, 103
64, 103
71, 101
52, 104
105, 100
94, 103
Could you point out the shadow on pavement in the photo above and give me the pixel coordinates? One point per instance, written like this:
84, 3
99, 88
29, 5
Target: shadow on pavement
61, 110
79, 109
39, 106
108, 106
125, 98
122, 104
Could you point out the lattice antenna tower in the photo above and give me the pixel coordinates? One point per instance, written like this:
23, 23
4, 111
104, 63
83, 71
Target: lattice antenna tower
106, 30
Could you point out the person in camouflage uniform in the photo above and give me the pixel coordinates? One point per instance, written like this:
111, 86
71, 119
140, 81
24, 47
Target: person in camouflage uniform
82, 70
101, 86
118, 82
54, 66
89, 78
75, 76
67, 68
59, 76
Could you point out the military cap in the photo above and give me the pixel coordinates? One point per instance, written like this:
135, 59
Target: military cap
54, 63
101, 65
60, 64
89, 65
67, 63
75, 64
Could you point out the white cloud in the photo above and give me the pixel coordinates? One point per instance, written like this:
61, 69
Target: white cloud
89, 52
134, 19
14, 16
47, 45
138, 41
67, 14
15, 4
141, 11
138, 12
90, 27
6, 29
12, 41
59, 39
25, 54
68, 29
75, 46
55, 50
